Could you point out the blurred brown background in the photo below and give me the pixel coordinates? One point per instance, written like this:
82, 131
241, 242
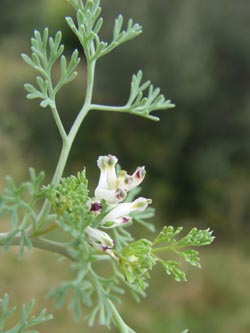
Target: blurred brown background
197, 157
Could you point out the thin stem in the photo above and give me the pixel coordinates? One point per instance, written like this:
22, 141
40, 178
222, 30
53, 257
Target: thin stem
46, 245
110, 108
59, 124
138, 112
118, 321
173, 248
61, 163
56, 179
87, 104
52, 96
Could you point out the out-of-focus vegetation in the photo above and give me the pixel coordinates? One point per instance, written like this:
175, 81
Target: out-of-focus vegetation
197, 157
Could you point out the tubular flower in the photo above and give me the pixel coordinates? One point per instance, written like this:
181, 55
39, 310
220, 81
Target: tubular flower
121, 213
100, 240
113, 187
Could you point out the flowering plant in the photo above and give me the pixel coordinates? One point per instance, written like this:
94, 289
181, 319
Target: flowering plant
96, 225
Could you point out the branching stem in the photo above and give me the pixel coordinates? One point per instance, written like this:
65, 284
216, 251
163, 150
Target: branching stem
69, 139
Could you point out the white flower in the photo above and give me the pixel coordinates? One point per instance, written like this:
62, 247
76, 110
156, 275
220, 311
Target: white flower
100, 240
121, 213
113, 187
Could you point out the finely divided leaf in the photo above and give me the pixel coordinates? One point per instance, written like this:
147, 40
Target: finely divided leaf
142, 104
46, 51
26, 321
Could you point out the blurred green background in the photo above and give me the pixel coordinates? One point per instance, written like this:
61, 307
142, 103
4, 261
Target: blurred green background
197, 157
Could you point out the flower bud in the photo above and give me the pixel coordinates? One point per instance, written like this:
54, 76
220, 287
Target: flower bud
100, 240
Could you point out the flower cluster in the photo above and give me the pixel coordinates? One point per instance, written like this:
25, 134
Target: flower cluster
136, 260
110, 194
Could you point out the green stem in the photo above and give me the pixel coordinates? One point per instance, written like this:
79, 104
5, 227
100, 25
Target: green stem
110, 108
173, 248
125, 108
118, 321
46, 245
52, 96
59, 124
69, 139
87, 104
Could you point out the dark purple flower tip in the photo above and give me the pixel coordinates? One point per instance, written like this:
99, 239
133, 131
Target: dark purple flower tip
140, 173
106, 248
125, 219
95, 207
